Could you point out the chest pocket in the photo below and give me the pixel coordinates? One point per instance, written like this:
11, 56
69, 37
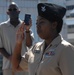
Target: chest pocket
34, 56
48, 56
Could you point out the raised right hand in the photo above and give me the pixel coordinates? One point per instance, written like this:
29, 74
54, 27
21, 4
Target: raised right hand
20, 34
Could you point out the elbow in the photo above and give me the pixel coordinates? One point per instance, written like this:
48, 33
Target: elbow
15, 64
16, 69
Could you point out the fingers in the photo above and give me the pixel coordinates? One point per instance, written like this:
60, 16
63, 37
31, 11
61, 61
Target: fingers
27, 27
30, 22
22, 26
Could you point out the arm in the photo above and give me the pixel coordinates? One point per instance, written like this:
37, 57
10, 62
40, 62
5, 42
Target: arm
5, 53
29, 37
16, 57
2, 49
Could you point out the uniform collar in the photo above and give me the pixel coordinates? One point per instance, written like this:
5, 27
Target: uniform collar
55, 42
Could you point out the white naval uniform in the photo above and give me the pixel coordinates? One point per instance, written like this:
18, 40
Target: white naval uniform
58, 58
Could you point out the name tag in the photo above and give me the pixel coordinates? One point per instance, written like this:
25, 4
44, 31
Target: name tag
37, 51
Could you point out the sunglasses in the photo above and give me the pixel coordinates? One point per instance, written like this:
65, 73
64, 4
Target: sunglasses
14, 9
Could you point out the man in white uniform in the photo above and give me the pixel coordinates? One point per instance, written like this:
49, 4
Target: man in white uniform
8, 38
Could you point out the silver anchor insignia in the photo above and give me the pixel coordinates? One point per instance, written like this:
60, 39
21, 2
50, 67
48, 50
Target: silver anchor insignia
43, 9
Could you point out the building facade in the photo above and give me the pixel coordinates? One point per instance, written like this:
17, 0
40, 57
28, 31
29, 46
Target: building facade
70, 20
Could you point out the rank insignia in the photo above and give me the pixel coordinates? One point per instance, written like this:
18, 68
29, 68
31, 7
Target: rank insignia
50, 53
43, 9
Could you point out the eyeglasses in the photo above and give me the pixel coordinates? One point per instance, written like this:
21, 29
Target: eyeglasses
14, 9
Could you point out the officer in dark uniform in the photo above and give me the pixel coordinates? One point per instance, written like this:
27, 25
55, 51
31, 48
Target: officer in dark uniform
54, 55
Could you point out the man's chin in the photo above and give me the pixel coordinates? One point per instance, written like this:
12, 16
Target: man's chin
13, 18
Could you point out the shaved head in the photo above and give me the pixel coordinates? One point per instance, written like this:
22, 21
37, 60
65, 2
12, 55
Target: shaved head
13, 4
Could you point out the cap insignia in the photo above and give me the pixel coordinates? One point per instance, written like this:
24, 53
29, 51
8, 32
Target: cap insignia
43, 8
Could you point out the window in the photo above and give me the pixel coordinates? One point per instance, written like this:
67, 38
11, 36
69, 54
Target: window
70, 7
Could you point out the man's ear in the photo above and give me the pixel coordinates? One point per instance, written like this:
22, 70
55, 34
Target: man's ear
19, 11
7, 12
54, 25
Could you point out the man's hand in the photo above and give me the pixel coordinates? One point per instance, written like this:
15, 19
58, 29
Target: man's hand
10, 58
